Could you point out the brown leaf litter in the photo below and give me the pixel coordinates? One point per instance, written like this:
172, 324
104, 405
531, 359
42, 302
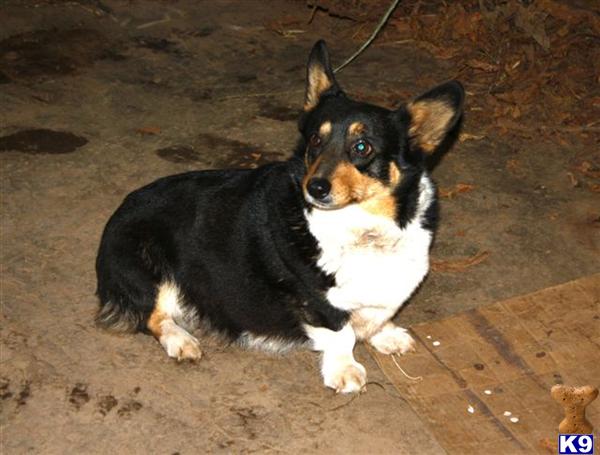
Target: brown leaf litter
148, 130
458, 264
459, 188
531, 67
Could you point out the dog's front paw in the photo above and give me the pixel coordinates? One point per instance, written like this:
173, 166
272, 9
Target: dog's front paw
392, 339
349, 377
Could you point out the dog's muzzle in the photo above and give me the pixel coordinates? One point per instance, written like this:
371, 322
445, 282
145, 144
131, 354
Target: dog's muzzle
318, 193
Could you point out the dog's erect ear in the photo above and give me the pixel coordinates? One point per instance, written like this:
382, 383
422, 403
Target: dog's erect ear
434, 114
319, 76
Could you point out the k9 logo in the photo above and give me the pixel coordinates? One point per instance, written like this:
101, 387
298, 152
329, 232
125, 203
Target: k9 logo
576, 444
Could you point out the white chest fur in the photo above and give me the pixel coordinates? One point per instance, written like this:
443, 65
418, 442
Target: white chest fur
376, 264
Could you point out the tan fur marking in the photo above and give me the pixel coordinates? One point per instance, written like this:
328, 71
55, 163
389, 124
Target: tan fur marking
430, 120
349, 185
318, 82
155, 323
325, 129
311, 171
383, 206
166, 292
395, 174
357, 128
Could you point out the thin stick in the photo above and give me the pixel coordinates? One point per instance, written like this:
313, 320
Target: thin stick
312, 14
382, 22
418, 378
164, 20
343, 405
255, 95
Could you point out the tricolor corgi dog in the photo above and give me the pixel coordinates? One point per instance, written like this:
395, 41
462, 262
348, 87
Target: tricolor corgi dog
318, 251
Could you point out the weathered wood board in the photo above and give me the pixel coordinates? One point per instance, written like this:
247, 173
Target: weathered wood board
503, 358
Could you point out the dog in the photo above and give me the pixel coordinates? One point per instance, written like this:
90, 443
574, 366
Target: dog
320, 250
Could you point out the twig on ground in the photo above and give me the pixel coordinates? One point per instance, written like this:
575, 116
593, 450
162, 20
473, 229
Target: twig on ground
413, 378
366, 44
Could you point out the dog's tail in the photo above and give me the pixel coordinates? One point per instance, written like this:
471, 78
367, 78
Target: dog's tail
127, 283
127, 295
118, 317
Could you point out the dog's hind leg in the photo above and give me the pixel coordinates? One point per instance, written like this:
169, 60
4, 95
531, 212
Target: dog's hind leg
339, 369
164, 322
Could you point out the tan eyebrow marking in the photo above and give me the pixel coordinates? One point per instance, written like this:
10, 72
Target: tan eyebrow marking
395, 174
357, 128
311, 171
325, 129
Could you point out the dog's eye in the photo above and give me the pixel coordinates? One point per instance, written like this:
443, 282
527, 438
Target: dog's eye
314, 140
362, 148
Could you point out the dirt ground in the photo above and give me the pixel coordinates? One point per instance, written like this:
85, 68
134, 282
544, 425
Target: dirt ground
97, 99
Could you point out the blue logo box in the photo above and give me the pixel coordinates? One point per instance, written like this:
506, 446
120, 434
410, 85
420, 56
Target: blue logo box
569, 444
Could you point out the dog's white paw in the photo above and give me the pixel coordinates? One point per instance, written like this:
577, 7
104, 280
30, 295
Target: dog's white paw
347, 377
392, 339
180, 345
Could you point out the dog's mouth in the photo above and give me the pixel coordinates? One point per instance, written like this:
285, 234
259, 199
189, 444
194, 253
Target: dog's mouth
326, 203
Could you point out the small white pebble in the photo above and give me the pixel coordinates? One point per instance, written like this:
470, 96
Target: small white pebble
514, 419
507, 413
487, 392
436, 343
428, 337
471, 409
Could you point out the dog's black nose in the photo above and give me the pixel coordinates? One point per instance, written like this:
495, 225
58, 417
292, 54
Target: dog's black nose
319, 188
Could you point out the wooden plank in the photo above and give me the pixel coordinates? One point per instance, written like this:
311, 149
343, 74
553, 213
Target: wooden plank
501, 358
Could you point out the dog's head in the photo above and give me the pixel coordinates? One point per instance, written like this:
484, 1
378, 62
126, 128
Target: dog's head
358, 153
